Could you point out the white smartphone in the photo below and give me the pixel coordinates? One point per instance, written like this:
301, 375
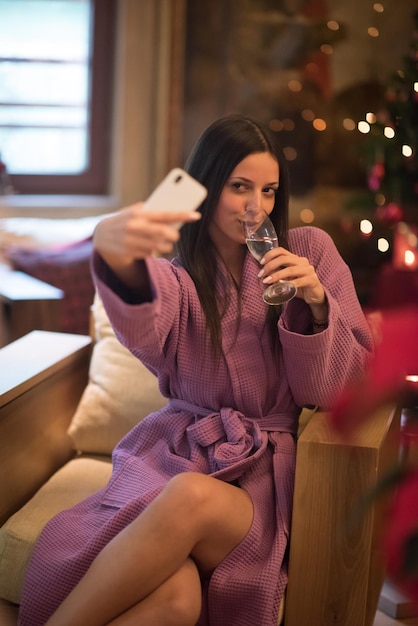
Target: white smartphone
178, 191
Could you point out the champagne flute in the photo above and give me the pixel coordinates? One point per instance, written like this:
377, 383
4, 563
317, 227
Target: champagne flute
260, 237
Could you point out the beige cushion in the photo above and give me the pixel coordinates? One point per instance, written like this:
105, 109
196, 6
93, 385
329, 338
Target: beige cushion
121, 392
75, 481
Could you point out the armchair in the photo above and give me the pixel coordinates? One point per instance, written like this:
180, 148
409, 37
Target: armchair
61, 412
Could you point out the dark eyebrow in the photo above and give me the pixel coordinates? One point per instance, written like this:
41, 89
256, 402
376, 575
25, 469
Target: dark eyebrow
247, 180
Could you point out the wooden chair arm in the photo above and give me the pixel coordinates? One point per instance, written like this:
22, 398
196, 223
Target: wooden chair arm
42, 378
335, 565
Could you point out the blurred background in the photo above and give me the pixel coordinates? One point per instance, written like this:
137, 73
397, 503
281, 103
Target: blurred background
338, 82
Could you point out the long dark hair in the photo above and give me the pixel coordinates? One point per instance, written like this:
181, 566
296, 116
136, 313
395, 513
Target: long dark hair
220, 148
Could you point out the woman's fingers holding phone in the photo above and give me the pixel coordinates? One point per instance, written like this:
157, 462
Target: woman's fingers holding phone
172, 218
135, 233
149, 231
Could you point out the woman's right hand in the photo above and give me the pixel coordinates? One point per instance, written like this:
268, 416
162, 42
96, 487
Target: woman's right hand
134, 233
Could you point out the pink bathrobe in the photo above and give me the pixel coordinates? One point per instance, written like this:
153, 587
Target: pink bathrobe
235, 420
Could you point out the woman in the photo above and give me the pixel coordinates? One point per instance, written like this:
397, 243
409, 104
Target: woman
193, 526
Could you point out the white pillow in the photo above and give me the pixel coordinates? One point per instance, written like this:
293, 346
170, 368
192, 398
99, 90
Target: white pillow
120, 393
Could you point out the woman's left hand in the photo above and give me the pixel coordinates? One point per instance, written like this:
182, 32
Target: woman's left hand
280, 264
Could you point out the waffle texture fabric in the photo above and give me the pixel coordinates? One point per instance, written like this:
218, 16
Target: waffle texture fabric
235, 419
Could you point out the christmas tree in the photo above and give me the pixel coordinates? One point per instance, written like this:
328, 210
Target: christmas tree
391, 148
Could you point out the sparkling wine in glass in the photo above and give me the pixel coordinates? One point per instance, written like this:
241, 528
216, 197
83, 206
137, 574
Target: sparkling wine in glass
260, 237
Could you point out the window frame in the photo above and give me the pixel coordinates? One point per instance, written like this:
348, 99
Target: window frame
95, 180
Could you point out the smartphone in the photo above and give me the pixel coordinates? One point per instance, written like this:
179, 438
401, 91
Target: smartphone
178, 191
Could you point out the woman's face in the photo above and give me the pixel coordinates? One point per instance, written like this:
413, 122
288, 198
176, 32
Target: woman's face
252, 184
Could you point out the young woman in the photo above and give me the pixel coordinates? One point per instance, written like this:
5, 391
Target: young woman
193, 526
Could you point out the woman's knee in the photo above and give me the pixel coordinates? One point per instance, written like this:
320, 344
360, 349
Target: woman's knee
209, 505
214, 516
191, 490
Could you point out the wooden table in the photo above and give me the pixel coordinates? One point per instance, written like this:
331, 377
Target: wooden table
26, 304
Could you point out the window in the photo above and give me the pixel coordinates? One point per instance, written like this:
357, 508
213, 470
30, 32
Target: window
56, 60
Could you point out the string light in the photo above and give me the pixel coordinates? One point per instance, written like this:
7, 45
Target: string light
276, 125
307, 216
333, 25
290, 153
319, 124
288, 124
294, 85
364, 127
409, 257
308, 115
412, 378
349, 124
366, 227
326, 49
382, 244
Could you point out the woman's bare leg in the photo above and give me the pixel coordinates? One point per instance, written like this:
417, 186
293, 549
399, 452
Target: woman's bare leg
195, 515
177, 602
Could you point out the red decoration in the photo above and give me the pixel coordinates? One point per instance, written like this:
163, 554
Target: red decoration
377, 172
391, 213
396, 334
396, 356
401, 527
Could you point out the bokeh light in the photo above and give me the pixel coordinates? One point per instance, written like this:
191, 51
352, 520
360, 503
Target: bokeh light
307, 216
308, 115
290, 153
382, 244
409, 257
319, 124
364, 127
349, 124
326, 49
333, 25
366, 227
276, 125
